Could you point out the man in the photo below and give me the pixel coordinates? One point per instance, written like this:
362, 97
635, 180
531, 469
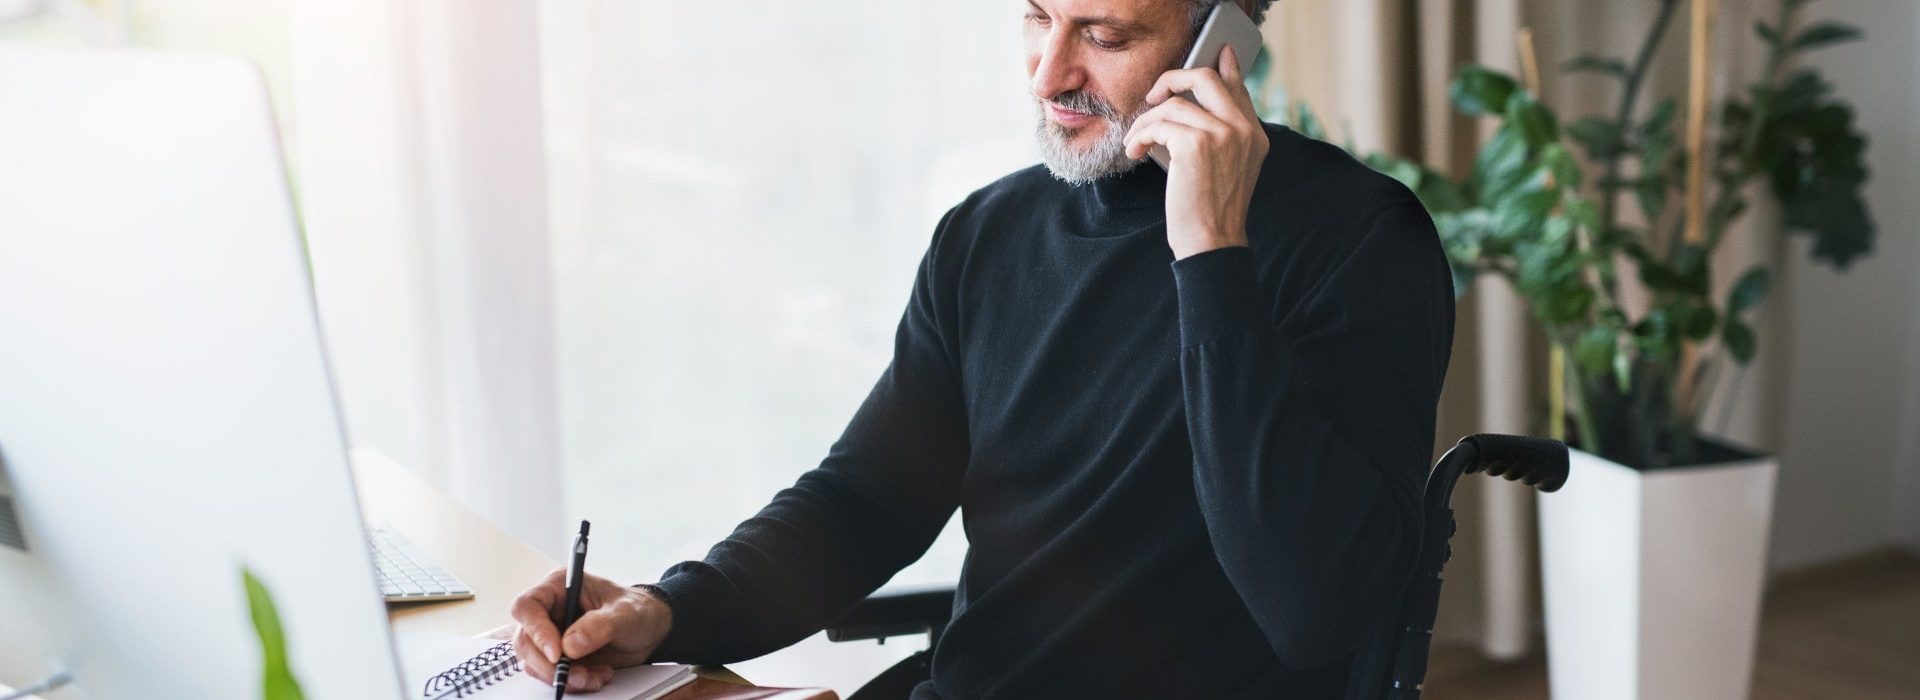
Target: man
1185, 414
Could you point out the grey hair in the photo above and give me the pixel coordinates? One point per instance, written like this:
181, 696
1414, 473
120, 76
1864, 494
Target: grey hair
1197, 11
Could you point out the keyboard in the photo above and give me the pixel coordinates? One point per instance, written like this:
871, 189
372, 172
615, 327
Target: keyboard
407, 575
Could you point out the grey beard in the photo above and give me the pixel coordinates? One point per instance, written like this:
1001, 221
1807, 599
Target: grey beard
1105, 158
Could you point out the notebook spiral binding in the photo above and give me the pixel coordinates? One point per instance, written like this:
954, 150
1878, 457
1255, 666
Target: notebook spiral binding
495, 664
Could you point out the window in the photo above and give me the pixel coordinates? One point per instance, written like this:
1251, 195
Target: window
741, 193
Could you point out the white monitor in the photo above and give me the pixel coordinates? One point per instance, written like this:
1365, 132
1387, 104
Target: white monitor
166, 415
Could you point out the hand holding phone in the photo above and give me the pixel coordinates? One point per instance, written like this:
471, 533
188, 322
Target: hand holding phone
1226, 25
1209, 137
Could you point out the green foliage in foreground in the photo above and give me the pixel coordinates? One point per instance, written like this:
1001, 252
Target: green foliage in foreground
276, 682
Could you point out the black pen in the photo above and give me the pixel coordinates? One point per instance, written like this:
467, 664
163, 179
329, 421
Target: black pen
576, 570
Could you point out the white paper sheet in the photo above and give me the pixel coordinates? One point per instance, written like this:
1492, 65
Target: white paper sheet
425, 656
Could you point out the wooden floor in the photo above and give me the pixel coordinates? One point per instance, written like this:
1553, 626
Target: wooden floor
1850, 631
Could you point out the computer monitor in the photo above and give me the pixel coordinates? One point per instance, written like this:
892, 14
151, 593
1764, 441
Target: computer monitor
166, 414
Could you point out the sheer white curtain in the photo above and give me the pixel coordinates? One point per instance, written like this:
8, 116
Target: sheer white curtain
741, 194
416, 126
636, 261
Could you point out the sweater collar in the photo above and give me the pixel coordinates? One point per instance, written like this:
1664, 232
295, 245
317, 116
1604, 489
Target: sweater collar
1142, 187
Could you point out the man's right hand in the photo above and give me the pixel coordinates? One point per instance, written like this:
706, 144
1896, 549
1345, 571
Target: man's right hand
618, 627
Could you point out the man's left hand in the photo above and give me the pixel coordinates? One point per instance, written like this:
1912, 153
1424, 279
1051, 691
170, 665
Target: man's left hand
1215, 150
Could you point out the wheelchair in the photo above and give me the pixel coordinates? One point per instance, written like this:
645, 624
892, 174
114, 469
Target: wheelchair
1391, 663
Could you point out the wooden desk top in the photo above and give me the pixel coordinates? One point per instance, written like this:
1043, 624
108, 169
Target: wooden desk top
495, 564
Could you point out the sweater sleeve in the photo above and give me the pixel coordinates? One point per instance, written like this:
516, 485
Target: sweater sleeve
1311, 437
871, 507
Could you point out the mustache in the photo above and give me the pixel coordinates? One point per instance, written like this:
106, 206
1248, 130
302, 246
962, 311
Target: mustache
1085, 103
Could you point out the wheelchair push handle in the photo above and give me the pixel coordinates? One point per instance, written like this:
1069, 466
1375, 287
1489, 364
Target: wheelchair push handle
1537, 462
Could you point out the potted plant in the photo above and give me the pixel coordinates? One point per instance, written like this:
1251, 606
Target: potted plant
1653, 554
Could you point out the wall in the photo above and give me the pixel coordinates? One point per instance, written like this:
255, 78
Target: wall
1850, 450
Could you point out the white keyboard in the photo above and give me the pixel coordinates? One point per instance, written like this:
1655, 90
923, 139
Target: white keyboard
407, 575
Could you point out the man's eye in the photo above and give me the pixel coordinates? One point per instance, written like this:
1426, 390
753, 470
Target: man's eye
1036, 18
1096, 41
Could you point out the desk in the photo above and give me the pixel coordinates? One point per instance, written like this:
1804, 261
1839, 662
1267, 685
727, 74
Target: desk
495, 564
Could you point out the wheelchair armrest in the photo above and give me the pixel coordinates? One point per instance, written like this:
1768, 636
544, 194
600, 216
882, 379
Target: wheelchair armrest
896, 612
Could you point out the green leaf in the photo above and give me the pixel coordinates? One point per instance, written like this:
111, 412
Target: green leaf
1309, 124
1536, 123
1479, 91
1623, 371
1800, 92
1747, 292
1651, 193
1440, 193
1656, 156
1581, 211
1271, 100
1463, 234
1589, 63
1766, 32
1519, 216
1405, 171
1501, 164
1718, 220
1657, 140
277, 682
1699, 322
1602, 137
1594, 350
1691, 264
1660, 277
1661, 118
1823, 34
1567, 305
1557, 231
1739, 339
1654, 334
1256, 78
1735, 113
1557, 160
1816, 163
1614, 317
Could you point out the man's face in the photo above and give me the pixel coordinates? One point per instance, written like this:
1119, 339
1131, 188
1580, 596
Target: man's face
1091, 63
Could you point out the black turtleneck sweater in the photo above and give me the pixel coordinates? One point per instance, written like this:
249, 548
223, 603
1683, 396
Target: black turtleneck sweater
1193, 478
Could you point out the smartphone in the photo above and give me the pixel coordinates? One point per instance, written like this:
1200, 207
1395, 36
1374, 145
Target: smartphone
1227, 25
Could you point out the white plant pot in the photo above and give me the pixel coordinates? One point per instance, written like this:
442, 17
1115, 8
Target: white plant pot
1653, 578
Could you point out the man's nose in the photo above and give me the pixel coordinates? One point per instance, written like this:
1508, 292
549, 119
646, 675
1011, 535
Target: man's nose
1058, 69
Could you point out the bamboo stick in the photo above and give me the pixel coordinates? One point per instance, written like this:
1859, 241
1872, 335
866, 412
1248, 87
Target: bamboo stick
1698, 75
1529, 65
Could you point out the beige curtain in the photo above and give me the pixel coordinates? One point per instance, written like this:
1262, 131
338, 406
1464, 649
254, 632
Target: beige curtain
1376, 73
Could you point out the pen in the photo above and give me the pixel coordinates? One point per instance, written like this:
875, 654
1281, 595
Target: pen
576, 570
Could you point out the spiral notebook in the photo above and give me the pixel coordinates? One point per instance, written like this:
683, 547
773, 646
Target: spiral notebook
439, 666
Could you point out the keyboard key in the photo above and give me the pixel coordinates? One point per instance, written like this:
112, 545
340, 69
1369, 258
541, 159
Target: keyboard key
405, 573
